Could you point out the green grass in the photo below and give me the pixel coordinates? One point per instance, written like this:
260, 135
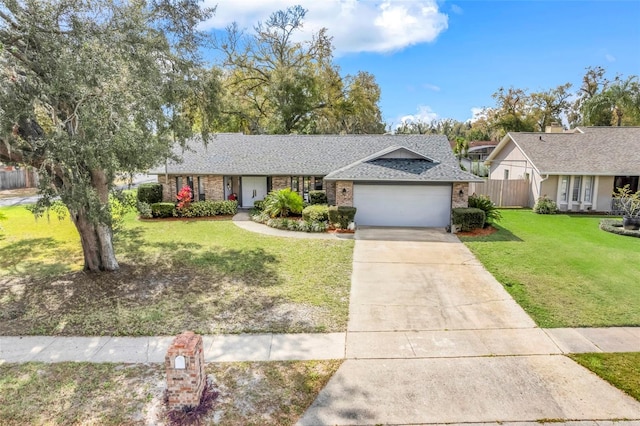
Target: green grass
563, 270
207, 276
620, 369
258, 393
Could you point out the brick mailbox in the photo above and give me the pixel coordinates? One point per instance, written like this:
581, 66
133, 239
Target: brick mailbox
184, 363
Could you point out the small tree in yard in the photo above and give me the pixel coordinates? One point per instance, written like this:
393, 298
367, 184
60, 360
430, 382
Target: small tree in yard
92, 88
282, 202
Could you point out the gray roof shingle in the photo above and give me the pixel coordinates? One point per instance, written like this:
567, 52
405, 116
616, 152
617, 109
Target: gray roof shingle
594, 150
319, 155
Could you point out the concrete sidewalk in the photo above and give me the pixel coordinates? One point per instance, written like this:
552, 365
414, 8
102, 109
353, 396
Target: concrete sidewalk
219, 348
354, 345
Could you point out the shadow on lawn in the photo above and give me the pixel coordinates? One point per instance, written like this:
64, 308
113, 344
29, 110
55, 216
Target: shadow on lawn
502, 234
27, 255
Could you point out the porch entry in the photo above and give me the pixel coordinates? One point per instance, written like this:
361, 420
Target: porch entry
254, 188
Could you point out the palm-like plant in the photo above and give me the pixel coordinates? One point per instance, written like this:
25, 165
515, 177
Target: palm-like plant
281, 203
609, 106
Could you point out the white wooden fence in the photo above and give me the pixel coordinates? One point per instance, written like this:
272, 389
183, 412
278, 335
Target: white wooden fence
504, 193
21, 178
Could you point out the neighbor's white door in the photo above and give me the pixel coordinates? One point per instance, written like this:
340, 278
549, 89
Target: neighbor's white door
254, 188
402, 205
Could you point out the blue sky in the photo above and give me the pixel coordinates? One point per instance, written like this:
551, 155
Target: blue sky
443, 59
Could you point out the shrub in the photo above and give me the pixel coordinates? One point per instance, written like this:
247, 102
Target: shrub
468, 218
281, 203
627, 202
163, 210
484, 203
120, 203
258, 205
150, 193
316, 213
317, 197
545, 205
210, 208
145, 210
342, 215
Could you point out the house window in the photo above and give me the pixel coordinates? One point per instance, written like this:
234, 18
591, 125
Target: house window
306, 184
190, 184
577, 186
564, 188
506, 174
317, 183
295, 184
588, 189
200, 189
178, 184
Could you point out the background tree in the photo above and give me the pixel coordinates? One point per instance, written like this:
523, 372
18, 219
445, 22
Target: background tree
275, 84
549, 106
94, 88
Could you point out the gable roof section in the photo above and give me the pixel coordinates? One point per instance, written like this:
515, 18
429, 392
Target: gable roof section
590, 151
397, 164
315, 155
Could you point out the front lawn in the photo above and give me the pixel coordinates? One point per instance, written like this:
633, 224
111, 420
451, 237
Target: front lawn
563, 270
264, 393
620, 369
206, 276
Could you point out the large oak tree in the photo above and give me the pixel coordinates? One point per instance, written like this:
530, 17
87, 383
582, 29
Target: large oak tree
92, 88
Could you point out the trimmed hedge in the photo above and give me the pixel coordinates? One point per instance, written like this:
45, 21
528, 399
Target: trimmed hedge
468, 218
342, 215
209, 208
163, 210
316, 212
150, 193
317, 197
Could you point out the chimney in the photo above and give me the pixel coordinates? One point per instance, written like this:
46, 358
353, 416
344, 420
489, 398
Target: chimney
554, 128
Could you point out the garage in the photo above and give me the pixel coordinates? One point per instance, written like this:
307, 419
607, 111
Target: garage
402, 205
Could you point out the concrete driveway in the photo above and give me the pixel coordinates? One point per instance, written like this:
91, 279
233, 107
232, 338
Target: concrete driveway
434, 338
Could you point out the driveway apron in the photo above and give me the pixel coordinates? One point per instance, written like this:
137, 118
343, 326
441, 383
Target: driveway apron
434, 338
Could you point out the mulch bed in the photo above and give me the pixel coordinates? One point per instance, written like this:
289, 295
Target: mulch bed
478, 232
184, 219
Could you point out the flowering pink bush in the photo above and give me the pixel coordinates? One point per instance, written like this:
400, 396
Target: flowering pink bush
184, 197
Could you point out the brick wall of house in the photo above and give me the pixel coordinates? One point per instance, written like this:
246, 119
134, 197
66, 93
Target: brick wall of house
280, 182
344, 198
213, 187
458, 200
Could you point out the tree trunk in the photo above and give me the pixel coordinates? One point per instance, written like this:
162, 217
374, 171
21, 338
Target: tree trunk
97, 245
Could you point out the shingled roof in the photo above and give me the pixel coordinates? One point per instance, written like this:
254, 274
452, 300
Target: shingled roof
318, 155
590, 151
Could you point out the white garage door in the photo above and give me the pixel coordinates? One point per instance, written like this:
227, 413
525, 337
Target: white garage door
402, 205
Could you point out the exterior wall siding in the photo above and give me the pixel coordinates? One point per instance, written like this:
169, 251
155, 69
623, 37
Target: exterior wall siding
548, 188
512, 159
213, 186
604, 192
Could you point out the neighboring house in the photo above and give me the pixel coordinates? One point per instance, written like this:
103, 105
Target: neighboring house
393, 180
579, 170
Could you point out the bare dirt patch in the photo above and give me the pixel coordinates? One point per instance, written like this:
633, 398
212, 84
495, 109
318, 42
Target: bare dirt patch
478, 232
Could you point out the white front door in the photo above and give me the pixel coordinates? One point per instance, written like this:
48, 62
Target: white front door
403, 205
254, 188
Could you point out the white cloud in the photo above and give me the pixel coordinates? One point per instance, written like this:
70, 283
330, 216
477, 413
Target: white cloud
609, 57
431, 87
423, 114
477, 113
356, 26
